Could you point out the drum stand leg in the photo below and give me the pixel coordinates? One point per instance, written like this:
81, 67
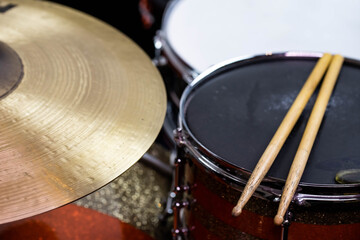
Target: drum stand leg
157, 164
286, 225
168, 210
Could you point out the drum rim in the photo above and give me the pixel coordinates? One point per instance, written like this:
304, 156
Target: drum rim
222, 66
188, 73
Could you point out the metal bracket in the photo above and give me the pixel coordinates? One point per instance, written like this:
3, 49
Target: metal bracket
286, 225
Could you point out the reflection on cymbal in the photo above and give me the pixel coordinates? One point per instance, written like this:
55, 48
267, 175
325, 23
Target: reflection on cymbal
81, 105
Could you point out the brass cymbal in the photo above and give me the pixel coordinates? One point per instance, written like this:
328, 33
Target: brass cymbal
80, 103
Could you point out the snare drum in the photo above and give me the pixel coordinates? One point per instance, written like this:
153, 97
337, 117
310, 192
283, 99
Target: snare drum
196, 34
228, 116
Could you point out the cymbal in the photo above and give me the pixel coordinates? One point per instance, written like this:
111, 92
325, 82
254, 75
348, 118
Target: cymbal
80, 103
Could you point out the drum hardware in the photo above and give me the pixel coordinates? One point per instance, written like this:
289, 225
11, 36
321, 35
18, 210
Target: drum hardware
184, 203
156, 163
168, 210
307, 199
159, 60
165, 58
180, 231
76, 119
164, 51
285, 225
185, 188
171, 201
348, 176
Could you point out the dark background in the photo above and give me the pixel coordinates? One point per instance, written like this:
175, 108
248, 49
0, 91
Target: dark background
125, 16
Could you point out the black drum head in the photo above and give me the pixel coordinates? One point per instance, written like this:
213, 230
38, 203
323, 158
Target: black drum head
234, 113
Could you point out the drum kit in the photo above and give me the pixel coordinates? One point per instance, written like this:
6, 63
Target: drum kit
81, 103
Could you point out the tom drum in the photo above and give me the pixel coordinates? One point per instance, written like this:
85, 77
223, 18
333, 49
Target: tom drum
196, 34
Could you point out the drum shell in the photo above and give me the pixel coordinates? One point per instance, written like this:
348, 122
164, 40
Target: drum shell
212, 198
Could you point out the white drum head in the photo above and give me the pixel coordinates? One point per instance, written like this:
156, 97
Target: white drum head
205, 32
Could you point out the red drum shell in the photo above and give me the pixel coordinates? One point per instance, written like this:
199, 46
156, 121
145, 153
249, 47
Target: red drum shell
210, 217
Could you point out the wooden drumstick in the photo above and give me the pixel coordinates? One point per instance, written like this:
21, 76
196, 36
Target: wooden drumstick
307, 141
283, 132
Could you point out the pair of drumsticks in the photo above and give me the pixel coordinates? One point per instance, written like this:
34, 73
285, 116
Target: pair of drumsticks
307, 141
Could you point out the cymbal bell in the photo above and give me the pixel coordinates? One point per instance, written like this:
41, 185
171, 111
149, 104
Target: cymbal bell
80, 103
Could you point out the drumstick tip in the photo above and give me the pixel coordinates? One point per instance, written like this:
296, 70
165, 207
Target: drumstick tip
236, 210
278, 220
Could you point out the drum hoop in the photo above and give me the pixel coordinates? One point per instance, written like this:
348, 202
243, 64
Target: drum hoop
213, 162
181, 67
187, 72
